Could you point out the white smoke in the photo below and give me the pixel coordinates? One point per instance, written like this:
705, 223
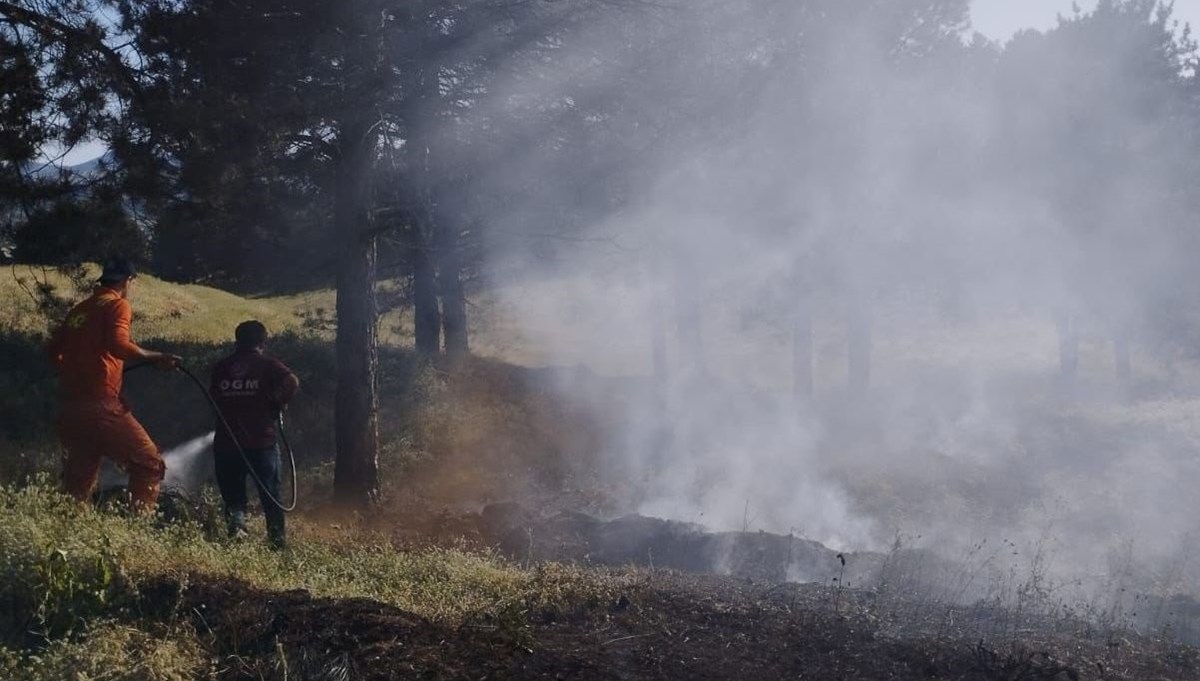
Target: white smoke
926, 190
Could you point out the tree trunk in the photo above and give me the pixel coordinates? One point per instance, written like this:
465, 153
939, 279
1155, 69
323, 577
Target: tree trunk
454, 301
427, 319
802, 352
1068, 345
356, 409
858, 342
421, 86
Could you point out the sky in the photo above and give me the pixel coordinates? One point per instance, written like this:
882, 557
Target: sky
1000, 19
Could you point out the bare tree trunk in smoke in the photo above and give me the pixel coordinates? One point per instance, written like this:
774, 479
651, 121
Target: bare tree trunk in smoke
427, 318
858, 346
802, 351
421, 85
454, 302
356, 409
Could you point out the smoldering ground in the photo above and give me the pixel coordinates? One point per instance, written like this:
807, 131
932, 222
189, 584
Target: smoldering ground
944, 237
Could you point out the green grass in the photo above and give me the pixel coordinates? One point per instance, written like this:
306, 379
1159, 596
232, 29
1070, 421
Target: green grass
41, 529
67, 570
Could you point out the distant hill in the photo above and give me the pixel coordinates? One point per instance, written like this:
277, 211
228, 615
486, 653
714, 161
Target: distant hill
84, 169
92, 166
162, 309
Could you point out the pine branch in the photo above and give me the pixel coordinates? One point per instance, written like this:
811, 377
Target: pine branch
122, 75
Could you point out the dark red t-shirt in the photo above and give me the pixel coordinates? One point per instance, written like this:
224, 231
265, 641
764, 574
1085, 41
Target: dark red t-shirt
244, 386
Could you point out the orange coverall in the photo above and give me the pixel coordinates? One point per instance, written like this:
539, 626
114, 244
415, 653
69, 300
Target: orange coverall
90, 349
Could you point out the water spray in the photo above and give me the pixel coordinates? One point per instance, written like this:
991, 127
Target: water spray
183, 462
291, 456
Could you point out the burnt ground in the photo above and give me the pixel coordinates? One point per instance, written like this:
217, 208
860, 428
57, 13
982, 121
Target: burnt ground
526, 536
633, 539
667, 626
705, 606
523, 535
696, 605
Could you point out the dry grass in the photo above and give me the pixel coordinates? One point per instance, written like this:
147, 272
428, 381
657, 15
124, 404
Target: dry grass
176, 312
111, 651
190, 313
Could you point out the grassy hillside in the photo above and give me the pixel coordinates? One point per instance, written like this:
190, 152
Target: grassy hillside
189, 313
180, 312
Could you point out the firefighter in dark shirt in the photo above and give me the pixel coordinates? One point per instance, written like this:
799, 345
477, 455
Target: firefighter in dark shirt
250, 388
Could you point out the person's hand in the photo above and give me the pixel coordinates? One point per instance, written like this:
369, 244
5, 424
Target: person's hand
167, 362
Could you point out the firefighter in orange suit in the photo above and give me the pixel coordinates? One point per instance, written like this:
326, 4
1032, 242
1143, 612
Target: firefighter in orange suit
90, 349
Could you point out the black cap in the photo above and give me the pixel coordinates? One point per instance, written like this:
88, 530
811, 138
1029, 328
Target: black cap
117, 269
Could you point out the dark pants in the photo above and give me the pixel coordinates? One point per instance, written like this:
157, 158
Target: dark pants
231, 480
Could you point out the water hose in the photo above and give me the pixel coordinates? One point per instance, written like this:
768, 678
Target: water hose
286, 508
